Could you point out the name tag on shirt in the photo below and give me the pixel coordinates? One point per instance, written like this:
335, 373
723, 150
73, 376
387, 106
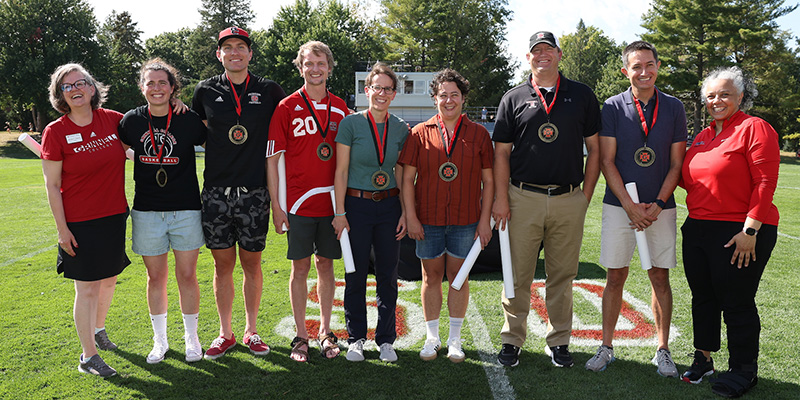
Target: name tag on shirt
74, 138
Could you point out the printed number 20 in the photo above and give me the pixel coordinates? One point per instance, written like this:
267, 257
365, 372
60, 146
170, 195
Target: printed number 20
303, 126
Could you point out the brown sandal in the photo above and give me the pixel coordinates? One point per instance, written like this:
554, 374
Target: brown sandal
297, 351
328, 344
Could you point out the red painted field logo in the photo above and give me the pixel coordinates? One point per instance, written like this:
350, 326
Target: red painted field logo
635, 326
409, 319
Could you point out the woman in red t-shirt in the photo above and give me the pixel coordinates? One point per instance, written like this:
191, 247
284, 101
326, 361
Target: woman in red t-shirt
448, 161
84, 163
730, 174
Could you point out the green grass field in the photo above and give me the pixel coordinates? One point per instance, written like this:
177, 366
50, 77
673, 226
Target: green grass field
41, 347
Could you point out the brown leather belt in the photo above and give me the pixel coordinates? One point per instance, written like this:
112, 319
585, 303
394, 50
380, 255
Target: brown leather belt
374, 196
550, 191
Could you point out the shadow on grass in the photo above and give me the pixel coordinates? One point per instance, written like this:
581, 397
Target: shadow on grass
15, 149
790, 160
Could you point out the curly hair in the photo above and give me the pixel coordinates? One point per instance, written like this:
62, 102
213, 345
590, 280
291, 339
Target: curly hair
449, 75
57, 95
157, 64
741, 81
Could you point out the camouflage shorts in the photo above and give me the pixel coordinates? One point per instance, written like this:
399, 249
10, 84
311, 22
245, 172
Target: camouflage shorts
235, 215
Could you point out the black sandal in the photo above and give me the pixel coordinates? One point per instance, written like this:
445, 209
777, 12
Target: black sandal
297, 343
733, 384
327, 344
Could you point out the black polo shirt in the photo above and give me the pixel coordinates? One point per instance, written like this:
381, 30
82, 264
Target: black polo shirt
576, 113
229, 164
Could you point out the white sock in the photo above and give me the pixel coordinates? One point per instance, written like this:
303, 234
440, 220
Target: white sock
190, 324
97, 330
432, 327
159, 324
455, 329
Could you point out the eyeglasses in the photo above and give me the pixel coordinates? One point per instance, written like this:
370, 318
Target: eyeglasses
379, 88
79, 84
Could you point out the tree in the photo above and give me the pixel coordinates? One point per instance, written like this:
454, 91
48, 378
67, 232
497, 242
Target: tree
586, 52
466, 35
122, 40
37, 37
612, 81
332, 22
215, 15
695, 36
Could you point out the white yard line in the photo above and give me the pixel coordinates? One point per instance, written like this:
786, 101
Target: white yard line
495, 373
42, 250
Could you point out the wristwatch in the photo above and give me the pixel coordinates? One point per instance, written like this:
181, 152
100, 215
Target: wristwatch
660, 203
750, 231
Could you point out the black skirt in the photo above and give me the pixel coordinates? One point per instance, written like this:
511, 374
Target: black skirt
101, 249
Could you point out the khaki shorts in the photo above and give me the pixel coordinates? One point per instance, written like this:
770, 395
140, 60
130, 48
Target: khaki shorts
617, 240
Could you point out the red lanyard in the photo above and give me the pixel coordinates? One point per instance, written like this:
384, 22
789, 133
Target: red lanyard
448, 147
153, 137
380, 143
313, 112
547, 108
235, 95
645, 128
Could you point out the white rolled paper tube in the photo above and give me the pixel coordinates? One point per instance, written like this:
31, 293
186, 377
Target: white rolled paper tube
347, 252
641, 238
505, 257
282, 186
469, 262
130, 154
31, 144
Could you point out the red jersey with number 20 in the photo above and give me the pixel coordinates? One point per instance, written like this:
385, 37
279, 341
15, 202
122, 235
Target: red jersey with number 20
294, 132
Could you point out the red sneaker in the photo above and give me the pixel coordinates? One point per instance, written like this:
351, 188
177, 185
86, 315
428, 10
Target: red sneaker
219, 346
257, 347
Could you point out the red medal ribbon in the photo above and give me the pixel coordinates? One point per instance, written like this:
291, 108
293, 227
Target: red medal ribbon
645, 128
153, 137
448, 147
380, 143
236, 96
547, 108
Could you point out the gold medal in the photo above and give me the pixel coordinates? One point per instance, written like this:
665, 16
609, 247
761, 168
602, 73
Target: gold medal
324, 151
548, 132
644, 156
237, 134
448, 171
380, 179
161, 177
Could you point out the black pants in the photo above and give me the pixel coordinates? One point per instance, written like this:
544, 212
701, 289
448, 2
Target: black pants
720, 287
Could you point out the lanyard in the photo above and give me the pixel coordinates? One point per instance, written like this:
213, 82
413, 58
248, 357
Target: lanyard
646, 129
547, 107
380, 143
313, 112
235, 95
448, 147
153, 137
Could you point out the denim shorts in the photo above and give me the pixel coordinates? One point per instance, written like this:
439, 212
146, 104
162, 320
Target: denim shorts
455, 240
154, 232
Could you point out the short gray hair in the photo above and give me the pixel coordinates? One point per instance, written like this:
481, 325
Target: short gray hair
743, 84
57, 96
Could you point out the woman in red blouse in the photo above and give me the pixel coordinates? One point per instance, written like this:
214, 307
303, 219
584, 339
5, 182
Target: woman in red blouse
730, 174
448, 161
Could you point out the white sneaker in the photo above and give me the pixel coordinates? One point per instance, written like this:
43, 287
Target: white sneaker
601, 359
454, 351
666, 367
160, 347
194, 352
355, 352
387, 353
430, 349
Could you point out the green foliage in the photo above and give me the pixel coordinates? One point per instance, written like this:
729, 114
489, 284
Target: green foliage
337, 24
122, 40
612, 80
466, 35
37, 37
585, 54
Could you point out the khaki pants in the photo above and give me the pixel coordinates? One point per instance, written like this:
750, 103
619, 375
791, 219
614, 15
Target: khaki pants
558, 221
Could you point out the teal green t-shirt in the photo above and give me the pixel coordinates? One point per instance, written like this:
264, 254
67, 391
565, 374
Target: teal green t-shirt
354, 132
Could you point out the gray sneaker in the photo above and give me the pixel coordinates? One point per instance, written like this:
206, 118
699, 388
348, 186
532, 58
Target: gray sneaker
103, 342
96, 366
604, 356
666, 367
387, 353
355, 351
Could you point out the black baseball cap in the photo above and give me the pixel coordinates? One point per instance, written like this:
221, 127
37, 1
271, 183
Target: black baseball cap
233, 32
542, 37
